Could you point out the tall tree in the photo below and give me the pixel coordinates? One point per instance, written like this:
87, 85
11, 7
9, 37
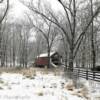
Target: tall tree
92, 39
49, 34
71, 15
1, 20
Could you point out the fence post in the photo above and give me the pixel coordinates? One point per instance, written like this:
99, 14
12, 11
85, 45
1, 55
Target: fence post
78, 73
86, 74
93, 75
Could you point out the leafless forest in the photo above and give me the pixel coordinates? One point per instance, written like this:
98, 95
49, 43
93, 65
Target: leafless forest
70, 27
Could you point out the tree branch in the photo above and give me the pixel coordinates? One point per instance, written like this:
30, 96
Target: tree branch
5, 11
79, 40
1, 1
36, 11
67, 16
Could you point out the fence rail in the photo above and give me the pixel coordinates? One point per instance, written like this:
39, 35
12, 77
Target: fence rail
87, 74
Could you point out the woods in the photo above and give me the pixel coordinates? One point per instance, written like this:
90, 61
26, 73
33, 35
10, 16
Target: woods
72, 30
50, 49
73, 41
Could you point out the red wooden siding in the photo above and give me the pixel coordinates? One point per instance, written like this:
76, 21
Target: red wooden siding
42, 61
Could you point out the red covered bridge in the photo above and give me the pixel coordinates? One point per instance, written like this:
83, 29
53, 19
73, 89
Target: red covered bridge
42, 59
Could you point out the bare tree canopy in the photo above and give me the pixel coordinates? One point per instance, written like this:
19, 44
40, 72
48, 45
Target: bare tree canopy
38, 28
71, 13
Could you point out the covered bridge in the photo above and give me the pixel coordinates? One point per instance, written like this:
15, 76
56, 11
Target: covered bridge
42, 59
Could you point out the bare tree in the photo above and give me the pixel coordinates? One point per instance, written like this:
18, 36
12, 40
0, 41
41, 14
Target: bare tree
1, 20
49, 34
71, 14
92, 39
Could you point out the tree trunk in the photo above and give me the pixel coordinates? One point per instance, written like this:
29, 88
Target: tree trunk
48, 57
92, 40
83, 52
71, 60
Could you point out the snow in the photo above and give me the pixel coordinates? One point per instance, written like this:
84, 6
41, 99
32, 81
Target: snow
46, 54
93, 87
39, 87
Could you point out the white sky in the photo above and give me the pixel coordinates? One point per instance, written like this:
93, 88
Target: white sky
55, 4
17, 9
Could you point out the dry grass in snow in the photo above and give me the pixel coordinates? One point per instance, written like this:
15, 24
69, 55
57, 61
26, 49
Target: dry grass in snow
36, 84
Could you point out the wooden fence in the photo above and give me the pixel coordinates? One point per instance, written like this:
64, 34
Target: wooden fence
87, 74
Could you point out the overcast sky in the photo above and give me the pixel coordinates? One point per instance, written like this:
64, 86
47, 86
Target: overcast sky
17, 10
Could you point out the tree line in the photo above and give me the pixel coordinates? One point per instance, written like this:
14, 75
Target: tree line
75, 26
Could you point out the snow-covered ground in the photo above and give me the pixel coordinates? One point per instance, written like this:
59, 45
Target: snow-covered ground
39, 87
93, 87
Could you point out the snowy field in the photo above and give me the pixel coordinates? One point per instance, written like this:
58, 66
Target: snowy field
39, 87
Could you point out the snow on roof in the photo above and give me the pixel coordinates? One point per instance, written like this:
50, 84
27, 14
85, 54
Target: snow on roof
46, 54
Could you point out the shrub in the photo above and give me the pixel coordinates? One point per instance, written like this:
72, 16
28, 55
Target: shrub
2, 82
18, 68
1, 88
40, 94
